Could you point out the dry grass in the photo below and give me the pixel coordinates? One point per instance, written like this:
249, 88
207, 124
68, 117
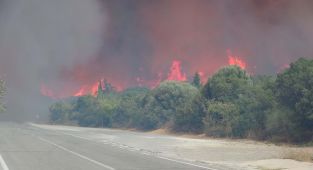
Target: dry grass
299, 154
263, 168
161, 131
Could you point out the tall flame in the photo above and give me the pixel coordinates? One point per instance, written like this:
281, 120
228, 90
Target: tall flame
84, 90
45, 91
235, 60
176, 72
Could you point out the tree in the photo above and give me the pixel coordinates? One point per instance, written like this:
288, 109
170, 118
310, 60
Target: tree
280, 125
196, 81
108, 88
176, 104
227, 93
231, 104
105, 89
238, 104
105, 112
60, 112
146, 116
221, 119
86, 110
2, 93
129, 109
227, 84
294, 89
188, 117
100, 92
254, 106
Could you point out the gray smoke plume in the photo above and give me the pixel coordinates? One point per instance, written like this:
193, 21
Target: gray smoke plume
38, 38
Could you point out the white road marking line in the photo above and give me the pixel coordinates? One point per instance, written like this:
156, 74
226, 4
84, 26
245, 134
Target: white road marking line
76, 136
173, 160
3, 164
76, 154
161, 157
186, 163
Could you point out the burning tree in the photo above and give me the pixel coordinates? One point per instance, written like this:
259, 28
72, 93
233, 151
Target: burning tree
235, 60
176, 72
104, 87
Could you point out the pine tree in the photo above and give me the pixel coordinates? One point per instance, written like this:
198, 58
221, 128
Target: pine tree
100, 92
108, 88
196, 80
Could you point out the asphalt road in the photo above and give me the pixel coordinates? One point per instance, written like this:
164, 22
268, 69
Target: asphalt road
26, 147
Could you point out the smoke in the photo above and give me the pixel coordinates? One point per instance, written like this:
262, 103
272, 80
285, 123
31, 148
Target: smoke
39, 39
63, 45
265, 33
144, 37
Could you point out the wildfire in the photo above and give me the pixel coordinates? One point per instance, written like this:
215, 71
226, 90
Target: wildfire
84, 90
176, 72
235, 60
283, 67
45, 91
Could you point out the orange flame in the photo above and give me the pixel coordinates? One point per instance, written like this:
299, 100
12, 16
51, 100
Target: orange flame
176, 72
85, 90
235, 60
45, 91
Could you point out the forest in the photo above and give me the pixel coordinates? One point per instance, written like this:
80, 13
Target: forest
231, 103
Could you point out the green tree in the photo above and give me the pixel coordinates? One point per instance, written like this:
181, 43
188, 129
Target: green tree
108, 88
246, 103
294, 89
227, 84
221, 119
254, 106
188, 117
129, 109
105, 112
174, 103
60, 112
100, 92
260, 103
86, 109
147, 116
280, 126
196, 81
227, 93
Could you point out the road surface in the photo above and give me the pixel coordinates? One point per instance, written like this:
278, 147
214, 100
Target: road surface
29, 147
